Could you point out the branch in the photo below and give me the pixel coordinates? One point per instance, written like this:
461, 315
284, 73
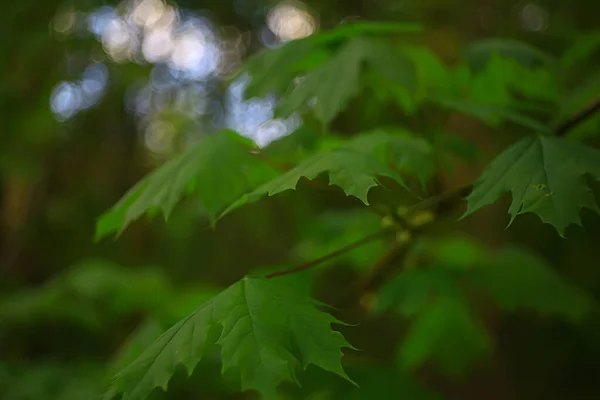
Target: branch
441, 203
578, 118
329, 256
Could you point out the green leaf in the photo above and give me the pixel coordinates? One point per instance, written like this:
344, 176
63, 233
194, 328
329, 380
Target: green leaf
272, 71
455, 252
396, 146
516, 279
545, 176
478, 53
503, 76
362, 28
448, 144
337, 81
295, 147
447, 333
412, 291
581, 50
354, 171
267, 331
490, 113
218, 169
432, 74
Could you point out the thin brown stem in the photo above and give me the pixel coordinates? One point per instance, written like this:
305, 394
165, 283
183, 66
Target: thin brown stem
578, 118
329, 256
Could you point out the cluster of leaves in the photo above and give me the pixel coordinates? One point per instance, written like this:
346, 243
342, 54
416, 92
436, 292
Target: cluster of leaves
437, 298
266, 331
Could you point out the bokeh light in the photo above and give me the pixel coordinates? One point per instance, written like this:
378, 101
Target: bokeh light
290, 21
534, 18
188, 57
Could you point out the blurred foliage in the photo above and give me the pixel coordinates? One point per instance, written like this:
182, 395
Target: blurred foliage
91, 105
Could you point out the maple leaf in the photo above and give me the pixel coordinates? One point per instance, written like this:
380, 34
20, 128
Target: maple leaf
480, 51
516, 279
266, 331
503, 76
545, 176
354, 171
218, 169
337, 80
397, 146
272, 70
443, 327
446, 332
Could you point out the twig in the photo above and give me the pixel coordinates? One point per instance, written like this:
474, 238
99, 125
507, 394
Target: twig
578, 118
329, 256
376, 275
442, 202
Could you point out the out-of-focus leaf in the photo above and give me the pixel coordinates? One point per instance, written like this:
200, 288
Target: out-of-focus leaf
432, 75
408, 154
123, 289
456, 252
447, 333
337, 81
516, 279
502, 76
272, 71
362, 28
49, 381
491, 114
412, 291
477, 53
582, 49
448, 144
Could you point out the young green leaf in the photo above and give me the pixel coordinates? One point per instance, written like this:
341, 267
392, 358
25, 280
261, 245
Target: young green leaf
217, 169
267, 332
489, 113
398, 147
446, 332
412, 291
478, 53
337, 81
502, 77
516, 279
354, 171
545, 176
582, 49
362, 28
272, 71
